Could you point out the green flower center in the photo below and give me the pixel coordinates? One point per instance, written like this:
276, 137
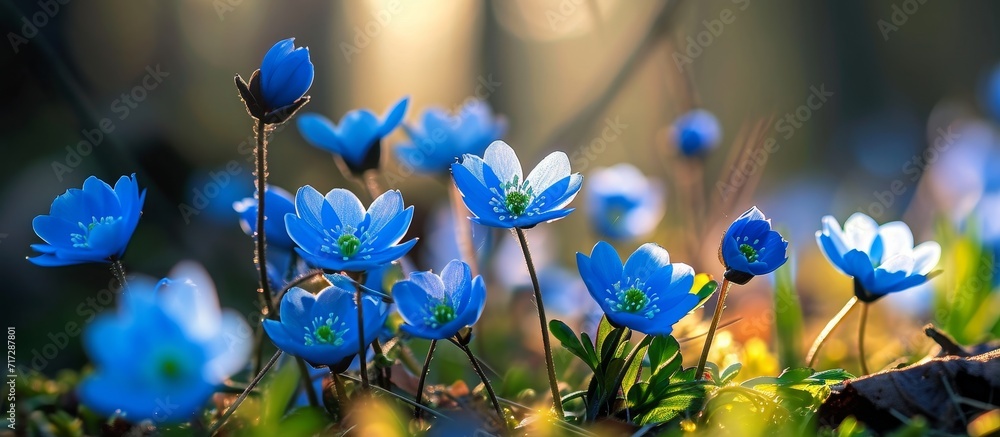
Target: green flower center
517, 202
442, 313
634, 300
82, 239
348, 244
322, 331
170, 368
749, 252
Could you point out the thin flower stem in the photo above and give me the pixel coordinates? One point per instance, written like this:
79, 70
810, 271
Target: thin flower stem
486, 381
338, 385
700, 373
258, 355
417, 412
362, 347
466, 247
830, 326
260, 257
239, 399
553, 382
118, 269
861, 338
307, 381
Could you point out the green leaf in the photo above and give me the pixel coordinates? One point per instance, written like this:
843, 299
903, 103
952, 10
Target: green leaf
788, 324
834, 375
730, 373
632, 371
670, 408
588, 344
794, 375
706, 291
662, 350
612, 343
604, 328
280, 386
568, 338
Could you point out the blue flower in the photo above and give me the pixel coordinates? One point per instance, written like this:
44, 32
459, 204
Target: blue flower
286, 74
443, 138
881, 259
323, 328
278, 203
89, 225
336, 233
647, 294
697, 132
357, 138
165, 351
437, 307
751, 248
622, 203
494, 189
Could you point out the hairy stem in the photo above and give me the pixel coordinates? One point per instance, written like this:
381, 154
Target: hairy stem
362, 347
700, 373
417, 412
830, 326
861, 338
486, 381
553, 382
118, 270
239, 399
260, 256
338, 385
307, 381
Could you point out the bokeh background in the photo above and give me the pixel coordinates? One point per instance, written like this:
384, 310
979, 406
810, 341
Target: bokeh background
561, 71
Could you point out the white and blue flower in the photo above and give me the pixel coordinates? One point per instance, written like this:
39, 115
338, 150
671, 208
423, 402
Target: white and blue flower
881, 259
495, 190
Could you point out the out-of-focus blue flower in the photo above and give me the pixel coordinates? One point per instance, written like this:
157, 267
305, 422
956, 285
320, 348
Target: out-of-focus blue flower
442, 138
565, 293
881, 259
441, 244
647, 294
622, 203
697, 132
323, 329
278, 203
166, 349
494, 189
990, 97
751, 248
93, 224
358, 136
437, 307
285, 74
336, 233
